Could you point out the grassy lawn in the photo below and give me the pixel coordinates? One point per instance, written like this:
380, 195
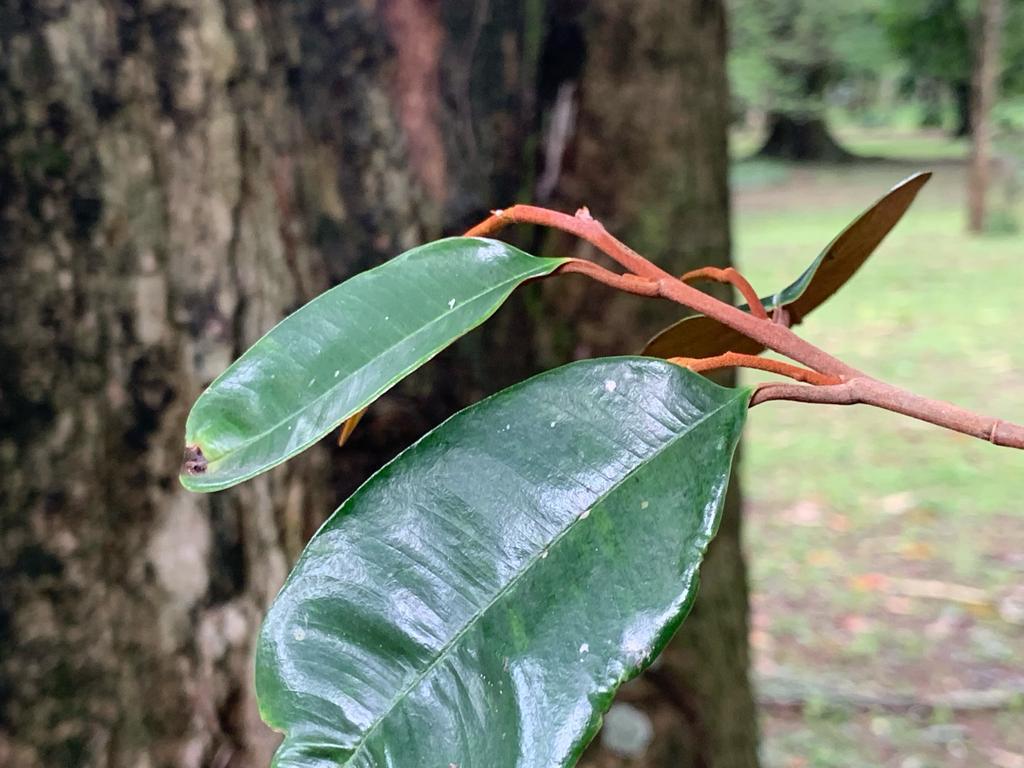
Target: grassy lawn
850, 510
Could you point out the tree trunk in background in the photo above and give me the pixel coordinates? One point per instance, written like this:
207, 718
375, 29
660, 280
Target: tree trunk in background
985, 91
801, 139
175, 175
963, 99
930, 95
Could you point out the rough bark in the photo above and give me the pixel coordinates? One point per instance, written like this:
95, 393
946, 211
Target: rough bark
175, 175
801, 139
985, 91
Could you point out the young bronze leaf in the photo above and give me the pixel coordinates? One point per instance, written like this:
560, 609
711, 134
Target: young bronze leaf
700, 336
480, 599
340, 352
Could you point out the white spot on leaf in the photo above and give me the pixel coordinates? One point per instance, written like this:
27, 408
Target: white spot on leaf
451, 303
585, 514
610, 385
644, 504
585, 648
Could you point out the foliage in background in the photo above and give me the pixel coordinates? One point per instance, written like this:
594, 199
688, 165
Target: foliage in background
786, 54
867, 57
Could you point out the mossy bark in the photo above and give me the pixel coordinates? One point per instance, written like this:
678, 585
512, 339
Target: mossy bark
175, 175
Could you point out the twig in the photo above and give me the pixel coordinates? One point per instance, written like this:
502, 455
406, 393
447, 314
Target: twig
855, 388
731, 277
629, 283
795, 695
864, 390
583, 225
738, 360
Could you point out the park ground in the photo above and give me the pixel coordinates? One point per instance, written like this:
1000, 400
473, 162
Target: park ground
887, 556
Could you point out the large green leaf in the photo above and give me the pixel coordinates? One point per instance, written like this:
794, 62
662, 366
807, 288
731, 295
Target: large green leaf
341, 351
700, 336
478, 601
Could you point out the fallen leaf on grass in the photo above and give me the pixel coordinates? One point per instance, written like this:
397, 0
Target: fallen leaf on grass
897, 503
901, 606
855, 623
805, 512
838, 523
938, 590
1002, 759
868, 582
917, 550
819, 558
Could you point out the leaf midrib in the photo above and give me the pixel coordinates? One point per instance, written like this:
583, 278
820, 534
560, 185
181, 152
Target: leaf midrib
443, 652
316, 400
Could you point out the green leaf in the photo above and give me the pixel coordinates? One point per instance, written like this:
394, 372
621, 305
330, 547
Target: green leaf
700, 336
479, 600
341, 351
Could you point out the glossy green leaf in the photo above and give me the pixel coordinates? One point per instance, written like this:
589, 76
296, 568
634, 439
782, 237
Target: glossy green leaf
479, 600
700, 336
341, 351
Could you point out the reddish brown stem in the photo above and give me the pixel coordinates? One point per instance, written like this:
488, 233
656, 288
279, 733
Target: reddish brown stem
647, 279
583, 225
738, 360
867, 391
629, 282
731, 277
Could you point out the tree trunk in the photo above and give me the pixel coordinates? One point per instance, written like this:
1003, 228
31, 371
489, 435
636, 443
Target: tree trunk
930, 96
963, 100
175, 175
801, 139
986, 84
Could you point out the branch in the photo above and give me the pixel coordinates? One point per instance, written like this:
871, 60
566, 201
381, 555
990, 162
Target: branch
647, 279
629, 283
583, 225
867, 391
737, 360
772, 335
731, 277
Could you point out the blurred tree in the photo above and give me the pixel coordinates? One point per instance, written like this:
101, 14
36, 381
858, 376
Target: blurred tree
177, 174
933, 39
937, 41
985, 84
787, 54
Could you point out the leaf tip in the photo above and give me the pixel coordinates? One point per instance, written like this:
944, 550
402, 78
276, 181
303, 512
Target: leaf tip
194, 462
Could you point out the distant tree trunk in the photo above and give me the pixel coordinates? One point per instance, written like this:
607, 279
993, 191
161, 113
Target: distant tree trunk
930, 95
802, 136
797, 138
963, 100
986, 84
175, 175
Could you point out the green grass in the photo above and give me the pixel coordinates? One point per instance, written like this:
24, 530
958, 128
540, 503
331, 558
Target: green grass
837, 495
935, 310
